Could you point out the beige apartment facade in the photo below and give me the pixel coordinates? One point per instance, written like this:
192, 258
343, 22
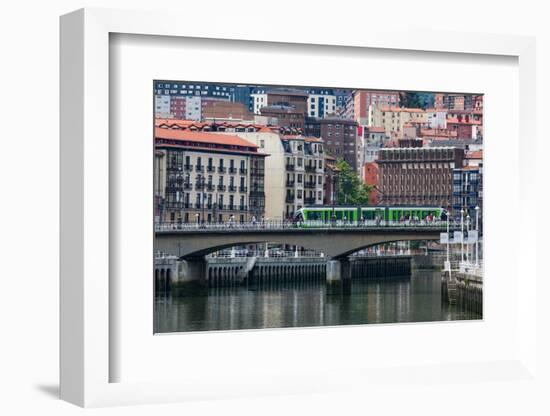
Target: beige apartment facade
294, 169
393, 119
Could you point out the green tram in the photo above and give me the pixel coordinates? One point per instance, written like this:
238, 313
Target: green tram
323, 213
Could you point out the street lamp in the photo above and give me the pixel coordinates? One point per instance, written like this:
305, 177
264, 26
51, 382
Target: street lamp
468, 255
462, 235
448, 238
477, 236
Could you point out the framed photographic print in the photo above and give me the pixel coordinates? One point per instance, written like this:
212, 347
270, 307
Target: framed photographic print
291, 213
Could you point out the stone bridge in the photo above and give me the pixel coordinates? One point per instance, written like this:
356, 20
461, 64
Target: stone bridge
193, 243
336, 243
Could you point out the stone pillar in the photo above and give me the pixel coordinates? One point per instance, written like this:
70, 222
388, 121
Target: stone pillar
191, 278
338, 277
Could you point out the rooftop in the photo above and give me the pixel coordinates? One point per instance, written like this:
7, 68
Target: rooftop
193, 125
474, 154
228, 141
374, 129
401, 109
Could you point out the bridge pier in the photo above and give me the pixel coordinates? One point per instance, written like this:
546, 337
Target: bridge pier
338, 277
191, 277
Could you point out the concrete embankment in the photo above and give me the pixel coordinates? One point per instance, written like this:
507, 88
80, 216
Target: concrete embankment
463, 290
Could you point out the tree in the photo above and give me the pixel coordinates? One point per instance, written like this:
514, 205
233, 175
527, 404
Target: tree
351, 189
417, 99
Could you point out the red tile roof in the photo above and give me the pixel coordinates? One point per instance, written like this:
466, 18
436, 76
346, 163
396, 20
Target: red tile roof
453, 120
374, 129
202, 137
169, 123
401, 109
474, 154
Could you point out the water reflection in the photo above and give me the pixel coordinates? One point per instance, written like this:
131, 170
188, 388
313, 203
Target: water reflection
410, 299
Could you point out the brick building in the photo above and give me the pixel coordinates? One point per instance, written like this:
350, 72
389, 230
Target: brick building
418, 176
339, 137
362, 99
370, 177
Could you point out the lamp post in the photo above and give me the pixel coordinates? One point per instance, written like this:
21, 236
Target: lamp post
477, 236
462, 235
468, 255
448, 238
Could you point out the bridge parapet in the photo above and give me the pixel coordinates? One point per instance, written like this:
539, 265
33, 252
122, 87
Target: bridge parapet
308, 225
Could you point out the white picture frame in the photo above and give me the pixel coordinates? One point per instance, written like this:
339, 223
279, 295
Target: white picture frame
86, 354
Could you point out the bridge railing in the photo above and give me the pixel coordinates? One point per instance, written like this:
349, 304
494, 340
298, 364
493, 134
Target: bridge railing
283, 225
262, 253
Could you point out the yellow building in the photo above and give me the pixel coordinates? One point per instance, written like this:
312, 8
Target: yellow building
392, 119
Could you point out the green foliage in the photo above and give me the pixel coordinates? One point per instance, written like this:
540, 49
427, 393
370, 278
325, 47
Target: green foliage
351, 189
417, 99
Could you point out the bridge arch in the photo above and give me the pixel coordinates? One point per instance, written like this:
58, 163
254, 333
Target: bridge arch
334, 243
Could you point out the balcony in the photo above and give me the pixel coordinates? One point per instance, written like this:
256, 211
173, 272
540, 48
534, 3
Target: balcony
309, 201
222, 169
232, 169
290, 183
198, 205
187, 186
243, 171
221, 188
199, 168
232, 188
209, 187
242, 188
257, 173
289, 198
188, 167
242, 207
309, 184
290, 167
310, 168
210, 168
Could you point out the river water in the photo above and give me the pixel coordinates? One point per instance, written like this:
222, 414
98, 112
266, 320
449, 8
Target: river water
416, 298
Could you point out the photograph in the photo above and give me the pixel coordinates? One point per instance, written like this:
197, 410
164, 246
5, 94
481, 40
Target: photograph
299, 206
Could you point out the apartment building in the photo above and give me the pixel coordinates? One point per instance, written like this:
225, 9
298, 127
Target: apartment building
418, 176
206, 177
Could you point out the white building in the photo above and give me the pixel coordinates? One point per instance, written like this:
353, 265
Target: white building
162, 106
437, 119
259, 100
193, 108
320, 105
